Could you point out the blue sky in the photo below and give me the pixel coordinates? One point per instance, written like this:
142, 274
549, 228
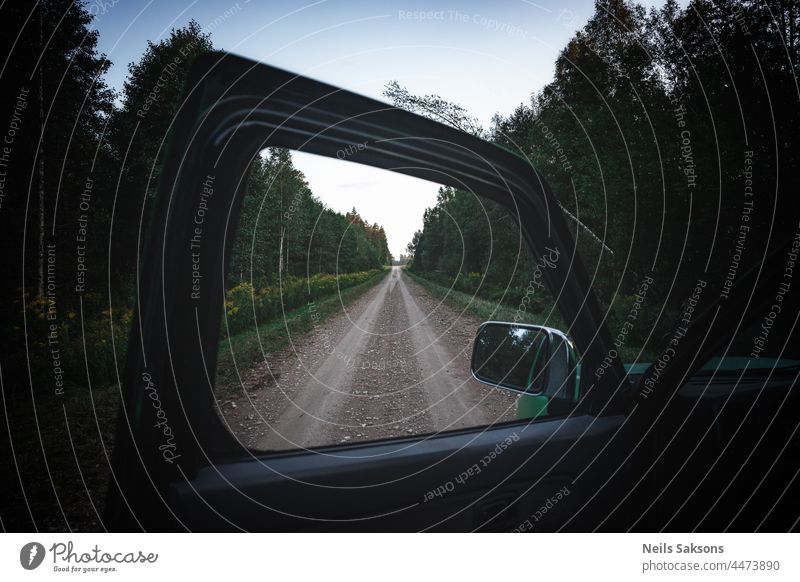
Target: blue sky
487, 56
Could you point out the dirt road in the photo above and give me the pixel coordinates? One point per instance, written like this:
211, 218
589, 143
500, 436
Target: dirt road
394, 363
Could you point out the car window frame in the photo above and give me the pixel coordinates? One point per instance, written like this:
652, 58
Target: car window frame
232, 109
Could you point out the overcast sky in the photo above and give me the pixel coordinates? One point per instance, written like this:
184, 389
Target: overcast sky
487, 56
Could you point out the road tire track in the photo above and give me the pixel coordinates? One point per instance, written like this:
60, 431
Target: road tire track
383, 368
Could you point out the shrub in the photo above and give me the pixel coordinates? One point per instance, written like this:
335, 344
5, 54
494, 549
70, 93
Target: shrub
87, 344
246, 306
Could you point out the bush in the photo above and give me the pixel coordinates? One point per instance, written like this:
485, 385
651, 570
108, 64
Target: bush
89, 344
82, 345
539, 301
246, 306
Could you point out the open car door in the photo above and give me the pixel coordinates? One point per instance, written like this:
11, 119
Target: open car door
205, 480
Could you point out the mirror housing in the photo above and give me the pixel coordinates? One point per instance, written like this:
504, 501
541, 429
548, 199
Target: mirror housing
528, 359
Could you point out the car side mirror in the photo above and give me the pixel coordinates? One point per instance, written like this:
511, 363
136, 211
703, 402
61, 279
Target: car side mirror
529, 359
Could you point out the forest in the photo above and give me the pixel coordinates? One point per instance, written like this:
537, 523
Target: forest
285, 228
665, 135
74, 207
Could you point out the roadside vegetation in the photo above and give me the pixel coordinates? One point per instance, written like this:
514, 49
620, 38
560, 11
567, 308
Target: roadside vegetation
657, 135
248, 343
79, 292
486, 306
505, 305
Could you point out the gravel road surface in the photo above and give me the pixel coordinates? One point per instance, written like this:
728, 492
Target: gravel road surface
394, 363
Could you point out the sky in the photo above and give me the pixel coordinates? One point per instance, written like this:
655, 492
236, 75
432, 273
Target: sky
486, 56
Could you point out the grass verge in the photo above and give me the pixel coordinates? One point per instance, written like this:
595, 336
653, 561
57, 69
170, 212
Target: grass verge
492, 310
244, 348
483, 308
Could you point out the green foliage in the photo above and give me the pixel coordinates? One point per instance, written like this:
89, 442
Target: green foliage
540, 311
139, 129
247, 307
151, 97
643, 135
474, 246
248, 346
285, 230
54, 104
107, 173
91, 347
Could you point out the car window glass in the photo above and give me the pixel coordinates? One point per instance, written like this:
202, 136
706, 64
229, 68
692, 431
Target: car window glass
343, 324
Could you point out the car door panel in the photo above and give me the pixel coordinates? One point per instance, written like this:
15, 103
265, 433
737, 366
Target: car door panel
393, 485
